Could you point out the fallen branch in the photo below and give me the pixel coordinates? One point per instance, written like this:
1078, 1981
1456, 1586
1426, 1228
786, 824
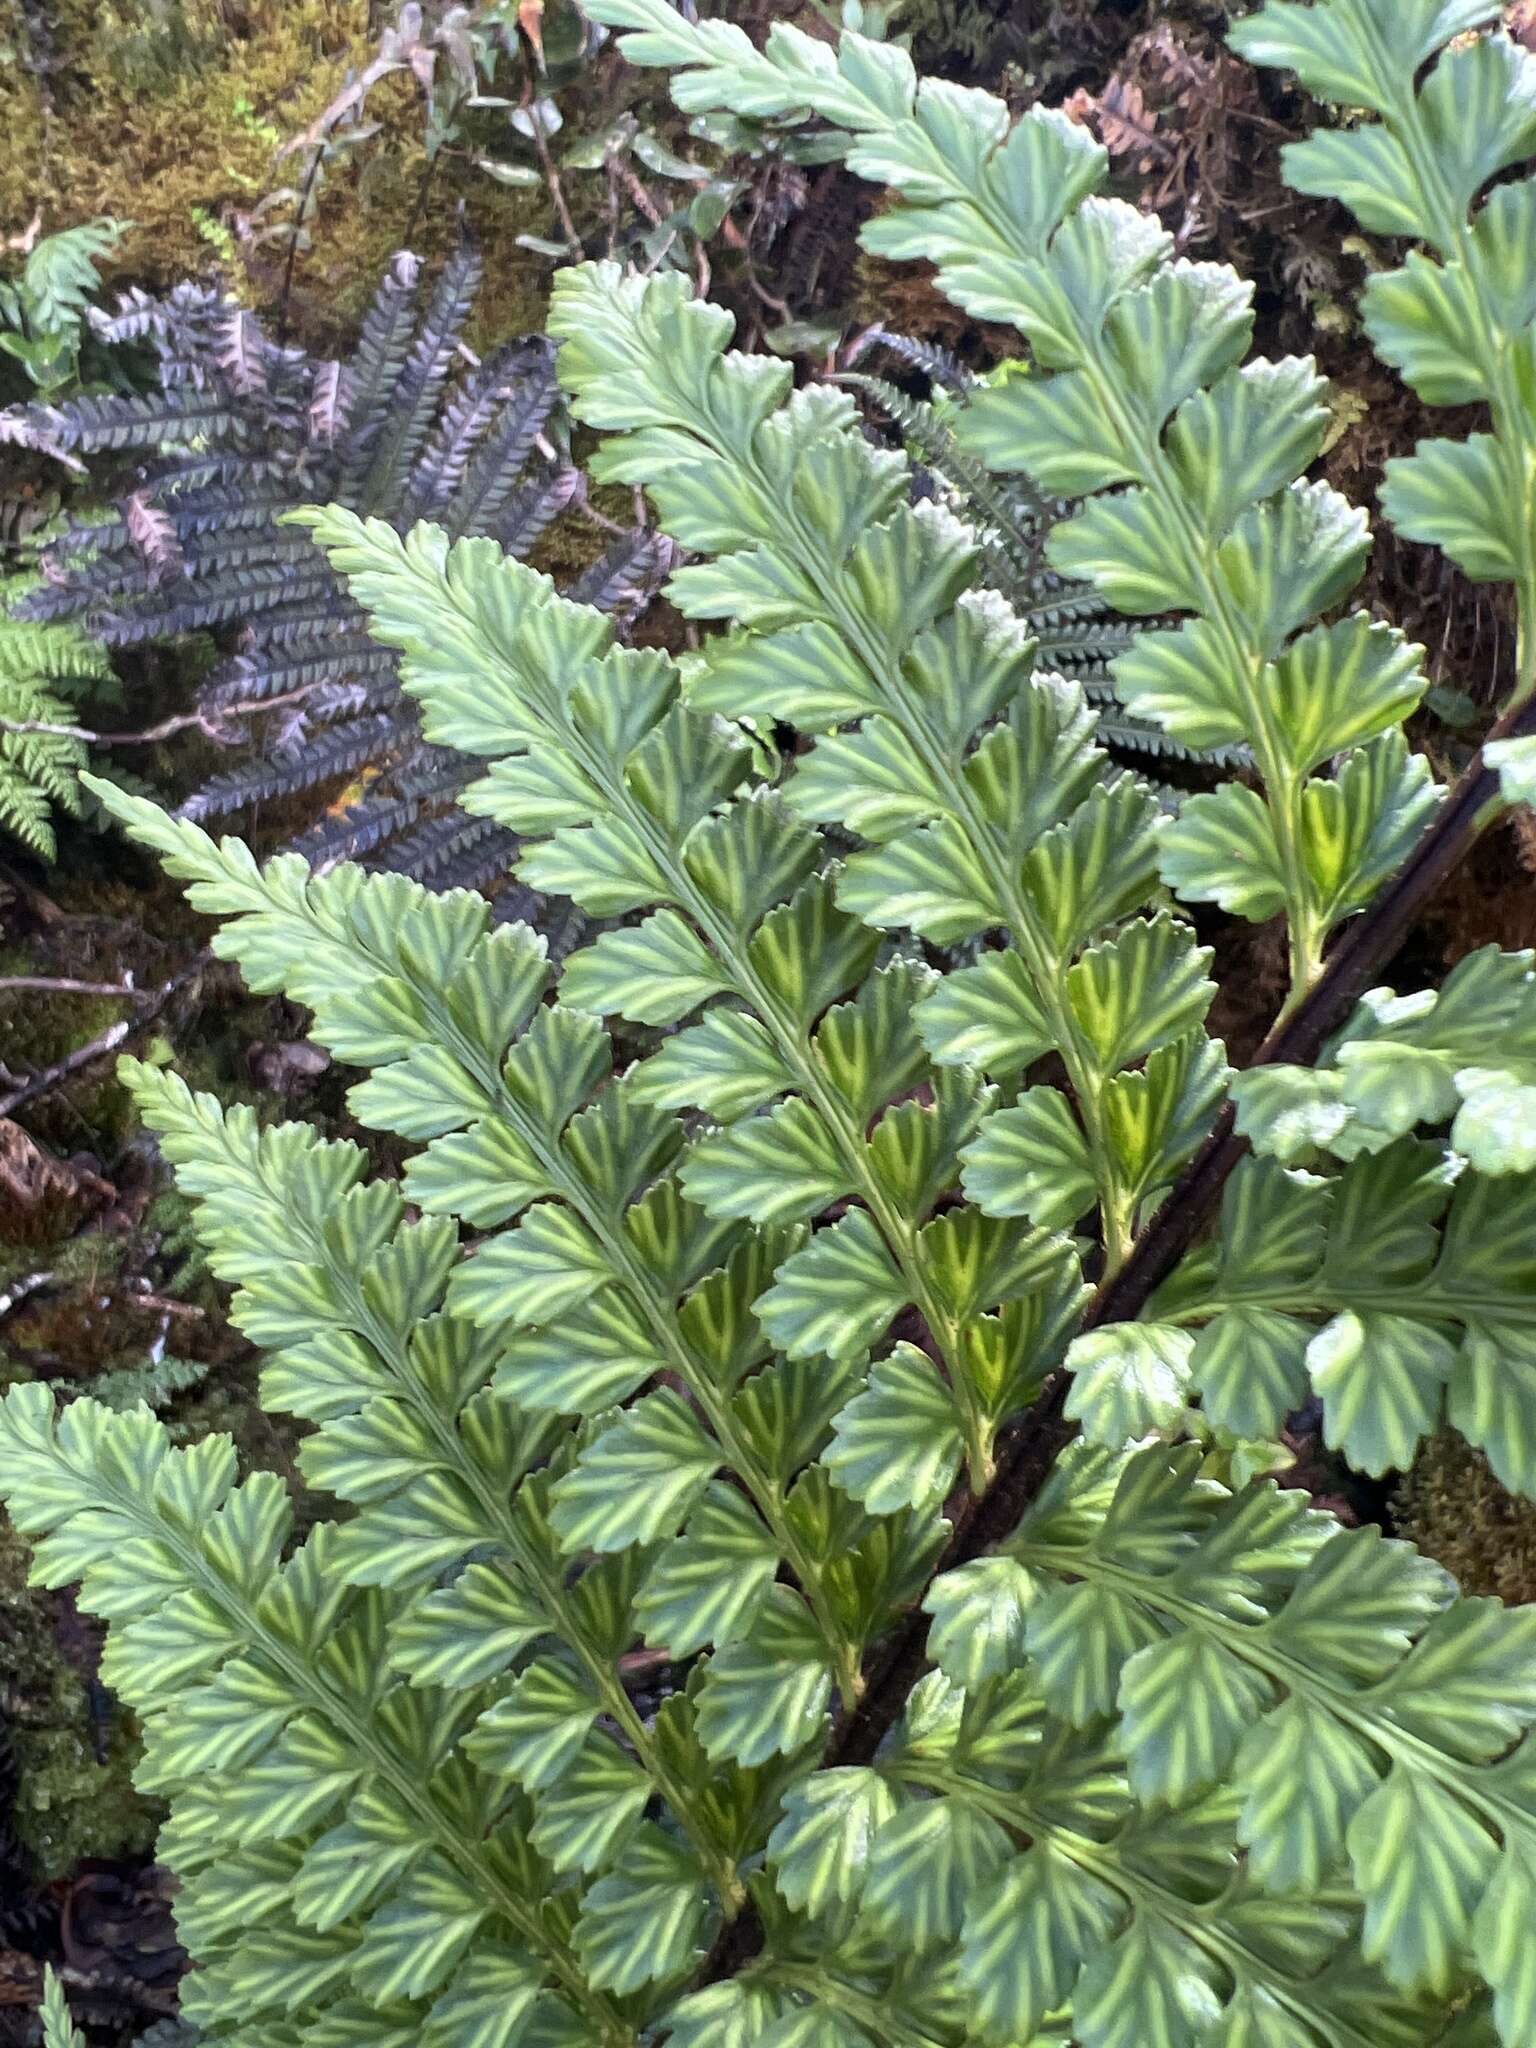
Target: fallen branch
207, 722
108, 1041
58, 984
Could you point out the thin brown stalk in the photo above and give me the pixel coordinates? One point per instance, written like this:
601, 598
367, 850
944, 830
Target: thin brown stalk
1037, 1440
58, 984
210, 723
108, 1041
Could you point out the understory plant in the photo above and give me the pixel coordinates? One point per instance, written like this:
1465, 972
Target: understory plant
239, 431
889, 1355
43, 670
44, 306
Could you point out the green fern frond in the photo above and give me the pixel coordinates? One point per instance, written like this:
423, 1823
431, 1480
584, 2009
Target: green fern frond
749, 1346
40, 771
59, 2029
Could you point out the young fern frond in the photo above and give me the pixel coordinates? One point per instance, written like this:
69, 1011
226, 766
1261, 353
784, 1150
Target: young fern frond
717, 1351
860, 605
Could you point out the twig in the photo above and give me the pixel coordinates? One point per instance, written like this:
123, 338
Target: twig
639, 191
306, 192
56, 984
29, 1283
551, 174
207, 722
429, 174
160, 1305
108, 1041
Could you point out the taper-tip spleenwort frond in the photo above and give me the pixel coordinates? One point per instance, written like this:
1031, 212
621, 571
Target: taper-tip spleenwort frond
1190, 461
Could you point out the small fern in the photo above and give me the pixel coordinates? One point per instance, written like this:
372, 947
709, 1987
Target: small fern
242, 430
43, 671
843, 1348
59, 2029
154, 1383
44, 309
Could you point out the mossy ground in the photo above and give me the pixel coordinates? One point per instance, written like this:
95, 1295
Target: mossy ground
72, 1754
171, 112
1455, 1510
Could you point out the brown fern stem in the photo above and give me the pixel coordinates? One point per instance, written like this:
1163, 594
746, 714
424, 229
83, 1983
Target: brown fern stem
1360, 955
1033, 1445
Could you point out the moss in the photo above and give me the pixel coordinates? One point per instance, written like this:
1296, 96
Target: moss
172, 110
75, 1797
163, 108
1454, 1509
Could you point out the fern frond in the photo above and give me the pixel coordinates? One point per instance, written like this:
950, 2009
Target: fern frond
62, 272
940, 365
202, 546
179, 323
154, 1384
627, 575
41, 771
376, 366
1112, 319
357, 831
104, 1493
89, 425
59, 2030
294, 665
514, 391
416, 392
719, 1338
522, 514
457, 852
148, 614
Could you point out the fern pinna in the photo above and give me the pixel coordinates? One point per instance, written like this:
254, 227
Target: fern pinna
41, 669
754, 1349
241, 431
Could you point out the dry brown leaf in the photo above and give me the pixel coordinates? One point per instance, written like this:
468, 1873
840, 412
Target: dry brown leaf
1126, 124
530, 19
